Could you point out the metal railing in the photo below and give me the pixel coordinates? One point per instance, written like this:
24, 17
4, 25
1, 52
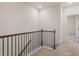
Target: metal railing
25, 47
53, 42
22, 43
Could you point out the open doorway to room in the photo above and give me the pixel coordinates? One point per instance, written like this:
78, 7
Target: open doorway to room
73, 28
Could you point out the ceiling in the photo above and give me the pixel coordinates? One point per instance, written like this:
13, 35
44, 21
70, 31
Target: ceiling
43, 4
72, 4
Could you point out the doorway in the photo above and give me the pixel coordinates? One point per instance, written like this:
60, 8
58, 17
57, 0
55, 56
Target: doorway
71, 28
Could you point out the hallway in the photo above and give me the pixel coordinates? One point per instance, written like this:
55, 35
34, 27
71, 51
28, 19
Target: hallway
64, 49
26, 26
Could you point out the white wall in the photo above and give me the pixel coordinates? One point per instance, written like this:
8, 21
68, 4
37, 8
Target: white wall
66, 11
17, 17
50, 20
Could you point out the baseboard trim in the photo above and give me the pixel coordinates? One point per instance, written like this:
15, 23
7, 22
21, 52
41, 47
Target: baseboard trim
48, 47
38, 49
35, 50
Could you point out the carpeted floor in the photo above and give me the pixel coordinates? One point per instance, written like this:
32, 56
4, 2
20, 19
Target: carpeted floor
64, 49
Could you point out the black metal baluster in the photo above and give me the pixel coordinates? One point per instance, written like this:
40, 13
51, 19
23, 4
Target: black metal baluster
15, 45
30, 44
21, 42
31, 41
12, 46
3, 46
7, 46
48, 41
18, 44
26, 44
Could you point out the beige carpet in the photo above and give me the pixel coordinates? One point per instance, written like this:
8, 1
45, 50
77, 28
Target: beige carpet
64, 49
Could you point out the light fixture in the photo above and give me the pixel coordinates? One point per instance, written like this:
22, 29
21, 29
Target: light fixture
39, 7
70, 2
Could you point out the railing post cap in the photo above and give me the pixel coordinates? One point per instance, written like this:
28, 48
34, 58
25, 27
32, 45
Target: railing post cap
54, 30
41, 29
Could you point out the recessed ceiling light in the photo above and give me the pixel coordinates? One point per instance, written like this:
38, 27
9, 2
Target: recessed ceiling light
70, 2
39, 7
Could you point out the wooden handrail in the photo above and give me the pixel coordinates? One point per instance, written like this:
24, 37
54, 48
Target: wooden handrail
24, 48
47, 31
23, 33
17, 34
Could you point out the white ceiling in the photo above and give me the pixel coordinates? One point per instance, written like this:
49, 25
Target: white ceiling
50, 4
43, 4
72, 4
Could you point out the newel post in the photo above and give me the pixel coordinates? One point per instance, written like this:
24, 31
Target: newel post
41, 37
54, 44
